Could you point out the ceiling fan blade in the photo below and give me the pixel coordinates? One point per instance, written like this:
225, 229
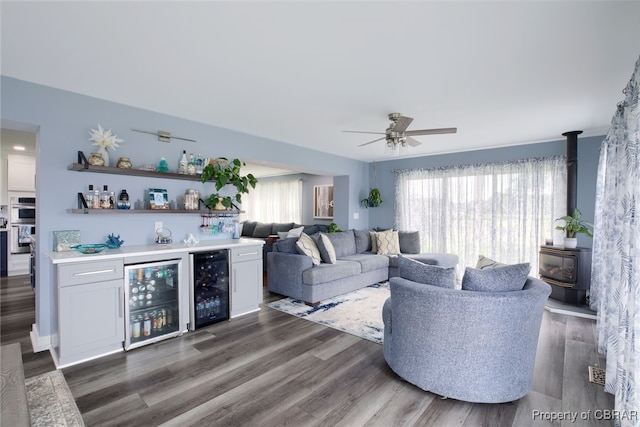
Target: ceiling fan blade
402, 124
413, 142
431, 131
371, 142
360, 131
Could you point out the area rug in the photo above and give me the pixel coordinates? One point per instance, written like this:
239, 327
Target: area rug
51, 402
358, 313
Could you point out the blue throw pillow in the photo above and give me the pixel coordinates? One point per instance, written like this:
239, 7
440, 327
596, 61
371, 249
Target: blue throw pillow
417, 271
499, 279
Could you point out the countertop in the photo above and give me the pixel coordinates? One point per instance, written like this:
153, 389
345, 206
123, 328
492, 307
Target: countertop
154, 249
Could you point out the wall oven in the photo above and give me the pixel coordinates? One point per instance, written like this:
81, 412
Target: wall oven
22, 210
21, 236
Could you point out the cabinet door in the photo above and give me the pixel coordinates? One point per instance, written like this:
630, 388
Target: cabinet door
21, 173
246, 286
91, 320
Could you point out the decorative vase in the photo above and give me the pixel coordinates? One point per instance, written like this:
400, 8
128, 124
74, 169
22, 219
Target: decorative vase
570, 242
96, 159
105, 154
124, 163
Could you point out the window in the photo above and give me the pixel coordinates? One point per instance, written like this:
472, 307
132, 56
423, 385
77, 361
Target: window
503, 211
274, 201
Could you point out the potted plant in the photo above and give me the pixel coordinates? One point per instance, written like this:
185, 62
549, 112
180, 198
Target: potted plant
222, 173
573, 225
333, 228
374, 199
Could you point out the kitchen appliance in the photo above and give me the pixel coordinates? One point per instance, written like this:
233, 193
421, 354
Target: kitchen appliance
152, 302
21, 237
22, 209
209, 288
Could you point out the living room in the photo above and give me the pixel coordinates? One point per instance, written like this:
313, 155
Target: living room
61, 114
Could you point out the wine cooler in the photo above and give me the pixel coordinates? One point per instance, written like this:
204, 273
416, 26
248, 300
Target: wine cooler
152, 302
209, 288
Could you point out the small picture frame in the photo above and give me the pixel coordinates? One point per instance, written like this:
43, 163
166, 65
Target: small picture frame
323, 202
158, 198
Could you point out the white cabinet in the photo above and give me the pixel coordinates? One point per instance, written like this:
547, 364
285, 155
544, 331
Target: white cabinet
90, 310
246, 279
21, 173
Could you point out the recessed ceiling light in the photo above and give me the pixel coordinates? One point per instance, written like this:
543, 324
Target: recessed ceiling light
19, 147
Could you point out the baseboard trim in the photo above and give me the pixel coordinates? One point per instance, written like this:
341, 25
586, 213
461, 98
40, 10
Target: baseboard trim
39, 342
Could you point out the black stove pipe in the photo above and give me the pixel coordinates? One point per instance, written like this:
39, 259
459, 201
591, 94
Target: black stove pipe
572, 169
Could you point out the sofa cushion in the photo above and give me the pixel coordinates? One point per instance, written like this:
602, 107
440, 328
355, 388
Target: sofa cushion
374, 241
417, 271
261, 230
387, 242
409, 242
248, 227
328, 272
484, 262
344, 242
295, 232
327, 251
307, 246
500, 279
276, 227
287, 245
363, 241
369, 261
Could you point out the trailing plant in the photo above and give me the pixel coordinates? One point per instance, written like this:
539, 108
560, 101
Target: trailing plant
374, 200
223, 173
575, 225
333, 228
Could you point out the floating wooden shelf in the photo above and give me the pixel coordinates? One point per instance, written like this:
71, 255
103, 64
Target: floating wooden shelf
134, 172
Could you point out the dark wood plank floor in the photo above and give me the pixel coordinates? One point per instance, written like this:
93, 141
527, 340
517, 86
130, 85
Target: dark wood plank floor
272, 369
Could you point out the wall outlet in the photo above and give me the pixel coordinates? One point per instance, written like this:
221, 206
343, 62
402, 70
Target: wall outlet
158, 226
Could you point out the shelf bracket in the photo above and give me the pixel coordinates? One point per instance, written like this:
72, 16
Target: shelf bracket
83, 160
82, 202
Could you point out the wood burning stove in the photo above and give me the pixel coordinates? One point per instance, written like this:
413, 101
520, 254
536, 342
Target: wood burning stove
568, 271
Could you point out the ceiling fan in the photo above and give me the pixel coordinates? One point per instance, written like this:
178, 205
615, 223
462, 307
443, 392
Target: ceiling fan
397, 134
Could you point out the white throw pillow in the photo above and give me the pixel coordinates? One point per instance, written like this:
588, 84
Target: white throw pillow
327, 252
388, 242
295, 232
308, 247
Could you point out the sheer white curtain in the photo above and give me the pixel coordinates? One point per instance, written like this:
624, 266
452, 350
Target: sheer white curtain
503, 211
276, 201
615, 272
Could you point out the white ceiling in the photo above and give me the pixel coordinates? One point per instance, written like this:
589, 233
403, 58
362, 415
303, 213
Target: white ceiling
504, 73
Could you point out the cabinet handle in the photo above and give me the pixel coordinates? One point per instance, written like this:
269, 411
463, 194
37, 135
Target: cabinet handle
247, 253
120, 302
91, 273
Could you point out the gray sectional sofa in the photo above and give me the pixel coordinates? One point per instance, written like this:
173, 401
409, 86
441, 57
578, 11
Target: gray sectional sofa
293, 274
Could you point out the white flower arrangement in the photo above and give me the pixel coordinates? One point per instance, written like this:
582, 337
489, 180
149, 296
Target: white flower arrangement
104, 138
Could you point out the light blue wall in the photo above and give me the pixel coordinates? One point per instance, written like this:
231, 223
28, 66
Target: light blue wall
588, 154
64, 120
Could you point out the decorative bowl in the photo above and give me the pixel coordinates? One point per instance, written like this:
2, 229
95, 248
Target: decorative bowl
90, 249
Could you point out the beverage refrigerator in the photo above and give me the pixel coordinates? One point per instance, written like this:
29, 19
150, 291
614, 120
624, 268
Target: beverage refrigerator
209, 290
152, 302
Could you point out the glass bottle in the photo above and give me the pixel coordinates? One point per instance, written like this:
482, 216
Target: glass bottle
96, 199
191, 165
104, 198
182, 166
89, 197
199, 162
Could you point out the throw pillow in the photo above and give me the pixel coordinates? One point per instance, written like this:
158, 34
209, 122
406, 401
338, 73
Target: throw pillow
283, 235
374, 241
248, 227
327, 251
388, 242
484, 262
363, 241
306, 246
262, 230
434, 275
409, 242
500, 279
295, 232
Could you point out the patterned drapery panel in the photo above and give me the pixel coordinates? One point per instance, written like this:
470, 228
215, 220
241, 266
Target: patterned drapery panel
615, 273
502, 210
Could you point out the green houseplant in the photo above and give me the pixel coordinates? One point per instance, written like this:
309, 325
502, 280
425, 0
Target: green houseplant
374, 199
223, 172
573, 225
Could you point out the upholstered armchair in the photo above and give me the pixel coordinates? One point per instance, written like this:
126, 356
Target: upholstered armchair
475, 346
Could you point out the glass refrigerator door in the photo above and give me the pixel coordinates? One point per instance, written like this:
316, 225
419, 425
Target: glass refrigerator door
210, 288
152, 302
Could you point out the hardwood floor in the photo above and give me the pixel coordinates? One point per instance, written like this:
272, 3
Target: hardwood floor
272, 369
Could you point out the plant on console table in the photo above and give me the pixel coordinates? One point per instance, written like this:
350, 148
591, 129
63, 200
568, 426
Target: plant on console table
574, 225
374, 200
222, 173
